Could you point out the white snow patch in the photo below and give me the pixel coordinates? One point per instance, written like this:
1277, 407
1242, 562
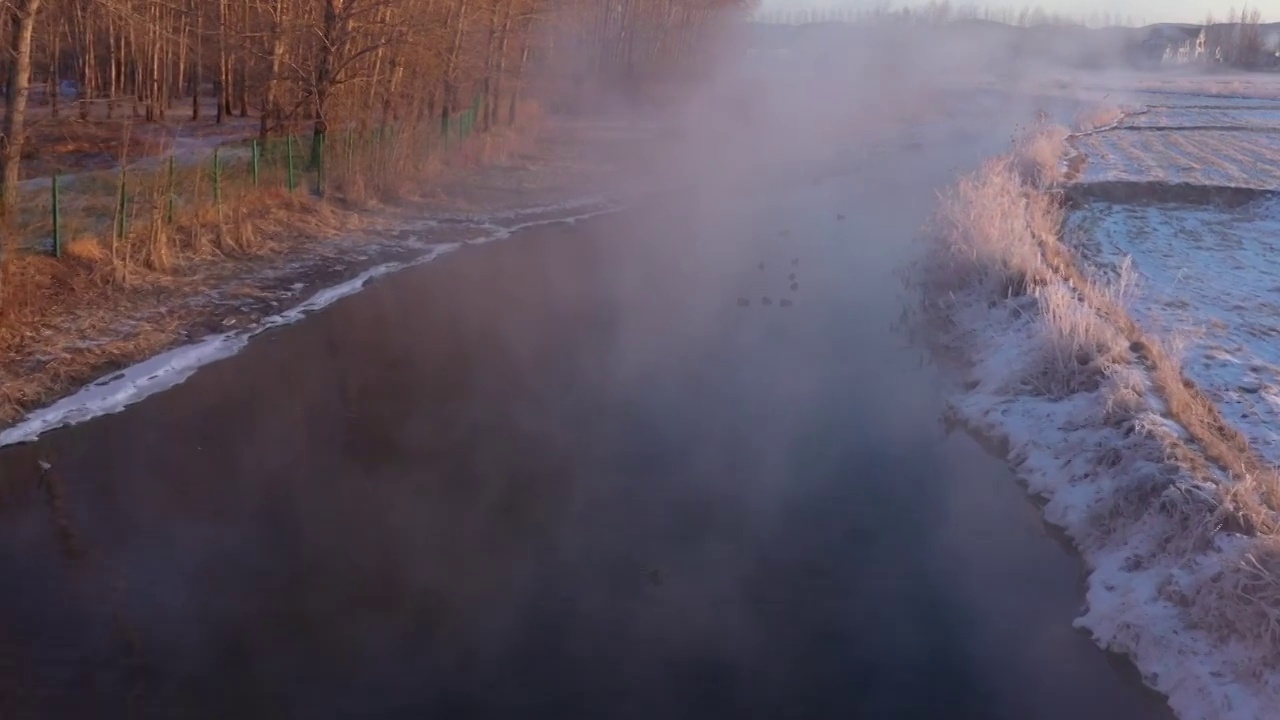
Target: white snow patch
596, 202
118, 391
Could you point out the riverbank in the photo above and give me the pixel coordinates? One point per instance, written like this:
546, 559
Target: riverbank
74, 321
1169, 506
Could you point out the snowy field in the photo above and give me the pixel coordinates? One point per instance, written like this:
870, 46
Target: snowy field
1190, 138
1216, 157
1211, 282
1255, 116
1237, 85
1210, 273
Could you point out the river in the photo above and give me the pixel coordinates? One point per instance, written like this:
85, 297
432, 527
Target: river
675, 462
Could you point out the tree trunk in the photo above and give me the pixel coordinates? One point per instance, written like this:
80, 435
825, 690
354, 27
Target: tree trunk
496, 96
515, 94
197, 66
450, 99
323, 80
88, 70
490, 62
271, 111
242, 66
113, 66
223, 93
55, 89
22, 19
153, 82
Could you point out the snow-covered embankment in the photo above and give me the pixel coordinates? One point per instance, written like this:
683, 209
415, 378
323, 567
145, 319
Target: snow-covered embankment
1178, 536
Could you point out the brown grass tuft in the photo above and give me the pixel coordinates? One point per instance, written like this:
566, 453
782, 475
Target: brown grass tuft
985, 226
1078, 347
86, 249
1096, 117
1242, 600
1038, 155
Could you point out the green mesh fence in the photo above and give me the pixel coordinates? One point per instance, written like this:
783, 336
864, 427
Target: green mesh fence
176, 190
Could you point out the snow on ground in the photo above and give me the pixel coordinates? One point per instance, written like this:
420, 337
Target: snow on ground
1188, 85
1219, 157
1109, 484
1189, 139
1211, 275
1209, 284
1256, 116
1170, 99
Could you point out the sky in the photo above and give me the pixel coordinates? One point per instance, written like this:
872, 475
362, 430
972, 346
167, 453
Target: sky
1141, 10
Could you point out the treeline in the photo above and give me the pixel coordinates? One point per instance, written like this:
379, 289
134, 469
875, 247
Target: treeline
1238, 40
944, 11
313, 65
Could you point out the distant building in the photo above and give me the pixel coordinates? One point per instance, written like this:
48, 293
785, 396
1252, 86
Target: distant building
1170, 44
1270, 46
1222, 40
1243, 44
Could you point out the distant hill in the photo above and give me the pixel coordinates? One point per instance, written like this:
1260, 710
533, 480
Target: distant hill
997, 42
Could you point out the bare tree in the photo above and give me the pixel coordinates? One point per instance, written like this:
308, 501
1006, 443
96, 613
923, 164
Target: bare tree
22, 22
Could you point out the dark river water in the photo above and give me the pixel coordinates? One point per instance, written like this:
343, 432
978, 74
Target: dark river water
564, 475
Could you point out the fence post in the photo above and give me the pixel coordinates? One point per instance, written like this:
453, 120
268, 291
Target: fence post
351, 151
292, 181
122, 206
57, 217
173, 193
322, 141
256, 150
217, 179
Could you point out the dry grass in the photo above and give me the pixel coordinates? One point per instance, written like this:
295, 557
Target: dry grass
1038, 155
1098, 116
86, 249
61, 326
70, 144
998, 235
986, 227
1078, 347
60, 320
1242, 600
1125, 393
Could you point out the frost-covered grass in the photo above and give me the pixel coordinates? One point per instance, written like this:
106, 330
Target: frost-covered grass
1096, 116
1038, 155
1167, 504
